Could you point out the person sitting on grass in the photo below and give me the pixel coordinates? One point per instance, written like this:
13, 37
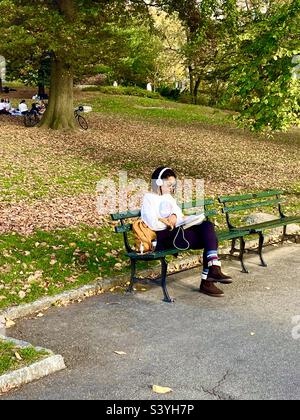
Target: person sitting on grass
7, 105
23, 108
41, 107
160, 204
3, 109
34, 109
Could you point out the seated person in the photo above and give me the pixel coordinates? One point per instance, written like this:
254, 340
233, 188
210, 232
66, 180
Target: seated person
23, 108
3, 109
41, 107
7, 104
159, 206
34, 109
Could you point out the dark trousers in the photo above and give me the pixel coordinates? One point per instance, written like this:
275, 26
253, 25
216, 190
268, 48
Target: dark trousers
201, 236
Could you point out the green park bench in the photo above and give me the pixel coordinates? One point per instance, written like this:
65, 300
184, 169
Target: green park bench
235, 206
125, 227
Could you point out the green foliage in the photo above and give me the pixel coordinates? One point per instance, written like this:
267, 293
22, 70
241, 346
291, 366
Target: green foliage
30, 72
207, 24
169, 92
136, 60
261, 75
79, 33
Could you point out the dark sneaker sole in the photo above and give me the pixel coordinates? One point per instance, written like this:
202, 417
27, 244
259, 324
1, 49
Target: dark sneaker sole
225, 281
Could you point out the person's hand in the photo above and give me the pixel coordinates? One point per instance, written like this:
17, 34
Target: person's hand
172, 220
166, 221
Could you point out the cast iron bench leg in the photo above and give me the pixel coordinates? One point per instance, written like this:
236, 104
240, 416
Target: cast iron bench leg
164, 267
132, 277
260, 247
284, 233
232, 246
242, 253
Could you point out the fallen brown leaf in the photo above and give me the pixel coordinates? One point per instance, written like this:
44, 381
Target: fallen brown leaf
17, 356
161, 389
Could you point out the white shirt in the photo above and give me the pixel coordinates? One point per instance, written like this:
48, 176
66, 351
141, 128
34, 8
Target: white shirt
157, 206
2, 106
23, 107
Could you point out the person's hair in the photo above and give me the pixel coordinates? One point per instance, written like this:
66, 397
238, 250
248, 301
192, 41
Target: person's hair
23, 101
166, 174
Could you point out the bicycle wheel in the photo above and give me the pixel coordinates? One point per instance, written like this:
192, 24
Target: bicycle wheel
82, 122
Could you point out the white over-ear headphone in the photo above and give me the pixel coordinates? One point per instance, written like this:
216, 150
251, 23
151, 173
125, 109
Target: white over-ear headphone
159, 181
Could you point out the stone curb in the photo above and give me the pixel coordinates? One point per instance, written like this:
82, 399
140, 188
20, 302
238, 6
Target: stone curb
52, 363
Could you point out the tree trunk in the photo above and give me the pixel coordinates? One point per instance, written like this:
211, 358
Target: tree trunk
60, 111
0, 84
191, 81
195, 92
41, 91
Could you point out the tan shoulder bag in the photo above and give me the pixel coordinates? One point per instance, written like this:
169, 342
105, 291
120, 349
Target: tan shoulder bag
143, 236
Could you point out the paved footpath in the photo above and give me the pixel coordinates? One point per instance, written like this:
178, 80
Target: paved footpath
242, 346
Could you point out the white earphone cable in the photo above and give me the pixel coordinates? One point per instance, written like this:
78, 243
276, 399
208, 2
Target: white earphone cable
174, 240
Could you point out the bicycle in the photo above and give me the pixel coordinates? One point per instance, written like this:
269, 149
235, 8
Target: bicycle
31, 119
80, 119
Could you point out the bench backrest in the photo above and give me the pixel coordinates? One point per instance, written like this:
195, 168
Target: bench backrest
239, 203
124, 227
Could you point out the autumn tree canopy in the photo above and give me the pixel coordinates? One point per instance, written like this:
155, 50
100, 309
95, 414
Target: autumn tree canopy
74, 33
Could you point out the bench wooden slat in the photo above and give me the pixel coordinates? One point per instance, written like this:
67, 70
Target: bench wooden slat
152, 255
257, 204
271, 223
226, 235
232, 198
222, 236
211, 213
126, 215
198, 203
137, 212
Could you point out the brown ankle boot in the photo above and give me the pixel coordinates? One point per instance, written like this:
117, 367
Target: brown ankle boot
215, 275
210, 289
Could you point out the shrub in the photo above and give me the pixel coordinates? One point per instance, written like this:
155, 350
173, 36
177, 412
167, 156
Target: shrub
234, 104
169, 92
185, 98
